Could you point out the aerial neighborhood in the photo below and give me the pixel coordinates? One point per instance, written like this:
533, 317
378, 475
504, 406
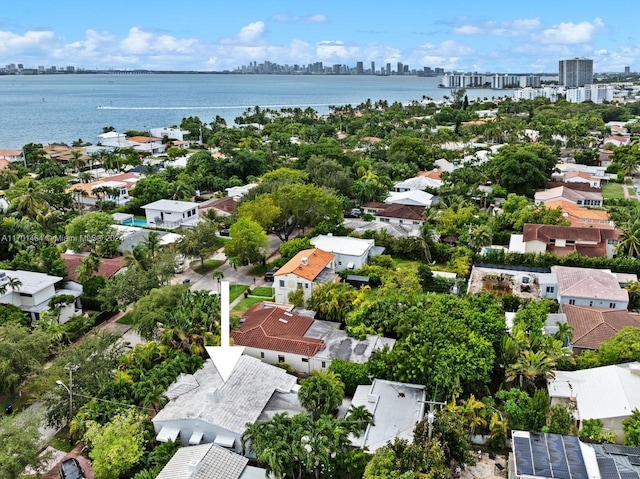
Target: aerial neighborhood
389, 290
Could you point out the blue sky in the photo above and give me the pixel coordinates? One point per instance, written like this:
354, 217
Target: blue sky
481, 35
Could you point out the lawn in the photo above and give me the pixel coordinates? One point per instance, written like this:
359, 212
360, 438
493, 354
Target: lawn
263, 291
236, 290
209, 265
126, 319
612, 191
245, 304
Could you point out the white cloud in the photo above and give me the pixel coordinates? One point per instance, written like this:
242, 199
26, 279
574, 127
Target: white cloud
286, 18
448, 54
336, 50
252, 32
469, 30
14, 43
571, 33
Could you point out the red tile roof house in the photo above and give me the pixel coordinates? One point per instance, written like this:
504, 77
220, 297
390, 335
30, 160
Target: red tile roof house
222, 206
593, 326
304, 271
396, 213
275, 335
562, 240
108, 266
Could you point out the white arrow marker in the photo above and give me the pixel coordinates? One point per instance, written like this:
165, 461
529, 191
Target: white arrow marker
224, 357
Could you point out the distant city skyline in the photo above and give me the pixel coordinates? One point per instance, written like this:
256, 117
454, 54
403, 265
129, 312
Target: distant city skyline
500, 36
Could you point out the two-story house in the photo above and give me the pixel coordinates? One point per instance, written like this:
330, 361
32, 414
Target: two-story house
32, 292
580, 198
170, 214
304, 271
563, 240
350, 253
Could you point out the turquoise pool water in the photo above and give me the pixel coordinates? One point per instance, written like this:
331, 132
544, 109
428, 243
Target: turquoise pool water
135, 222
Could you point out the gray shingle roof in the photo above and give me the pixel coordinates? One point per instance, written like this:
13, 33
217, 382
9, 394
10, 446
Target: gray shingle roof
229, 405
207, 461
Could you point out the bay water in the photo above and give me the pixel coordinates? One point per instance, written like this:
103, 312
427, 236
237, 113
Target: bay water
63, 108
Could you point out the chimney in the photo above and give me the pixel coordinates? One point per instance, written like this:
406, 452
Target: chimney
634, 368
304, 261
193, 467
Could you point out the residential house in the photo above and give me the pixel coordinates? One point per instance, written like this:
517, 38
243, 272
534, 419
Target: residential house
425, 179
593, 326
275, 334
222, 206
445, 165
239, 191
581, 217
608, 393
108, 266
581, 177
350, 253
89, 194
598, 288
13, 156
131, 236
205, 408
396, 213
4, 164
563, 240
148, 144
396, 408
304, 271
580, 198
34, 291
171, 214
538, 455
208, 461
412, 198
171, 133
63, 153
617, 140
595, 171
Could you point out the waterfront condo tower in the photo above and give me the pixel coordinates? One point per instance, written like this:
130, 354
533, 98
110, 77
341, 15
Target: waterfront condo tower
575, 72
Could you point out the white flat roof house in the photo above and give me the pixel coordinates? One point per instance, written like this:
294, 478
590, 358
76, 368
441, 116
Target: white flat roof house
240, 191
396, 407
608, 393
204, 408
350, 253
171, 214
34, 292
412, 198
171, 133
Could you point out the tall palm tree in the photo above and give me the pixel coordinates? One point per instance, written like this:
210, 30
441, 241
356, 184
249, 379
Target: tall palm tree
629, 240
531, 366
77, 161
564, 333
31, 200
152, 243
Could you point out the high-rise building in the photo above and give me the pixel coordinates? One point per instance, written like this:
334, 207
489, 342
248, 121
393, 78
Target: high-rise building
575, 72
388, 68
400, 69
439, 71
627, 70
360, 68
373, 68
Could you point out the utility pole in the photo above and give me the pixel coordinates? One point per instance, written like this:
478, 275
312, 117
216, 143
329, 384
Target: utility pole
431, 415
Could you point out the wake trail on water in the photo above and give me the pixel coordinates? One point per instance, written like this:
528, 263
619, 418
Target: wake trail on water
228, 107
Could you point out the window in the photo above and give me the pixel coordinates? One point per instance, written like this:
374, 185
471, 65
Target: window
572, 301
612, 305
324, 364
571, 242
262, 355
590, 303
299, 285
280, 358
281, 283
305, 360
339, 263
550, 289
306, 285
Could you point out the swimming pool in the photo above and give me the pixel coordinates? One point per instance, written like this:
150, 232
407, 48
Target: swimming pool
135, 222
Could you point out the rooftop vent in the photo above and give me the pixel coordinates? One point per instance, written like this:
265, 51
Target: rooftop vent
193, 466
304, 261
283, 321
634, 369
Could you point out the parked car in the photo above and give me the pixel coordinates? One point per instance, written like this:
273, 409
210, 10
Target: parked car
269, 275
179, 264
353, 213
70, 469
225, 232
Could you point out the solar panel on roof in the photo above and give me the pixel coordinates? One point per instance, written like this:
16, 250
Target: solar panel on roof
634, 460
608, 469
628, 475
577, 469
622, 450
524, 462
557, 457
540, 454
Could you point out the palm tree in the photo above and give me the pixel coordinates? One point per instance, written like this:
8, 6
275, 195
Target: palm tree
155, 398
77, 161
86, 177
480, 236
13, 283
426, 242
629, 239
531, 366
474, 412
50, 220
564, 333
152, 244
31, 200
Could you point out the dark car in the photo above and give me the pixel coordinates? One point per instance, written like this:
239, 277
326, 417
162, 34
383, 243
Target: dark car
225, 232
70, 469
353, 213
268, 276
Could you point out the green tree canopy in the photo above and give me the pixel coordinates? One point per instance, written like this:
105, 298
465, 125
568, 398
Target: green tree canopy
94, 232
321, 393
248, 243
